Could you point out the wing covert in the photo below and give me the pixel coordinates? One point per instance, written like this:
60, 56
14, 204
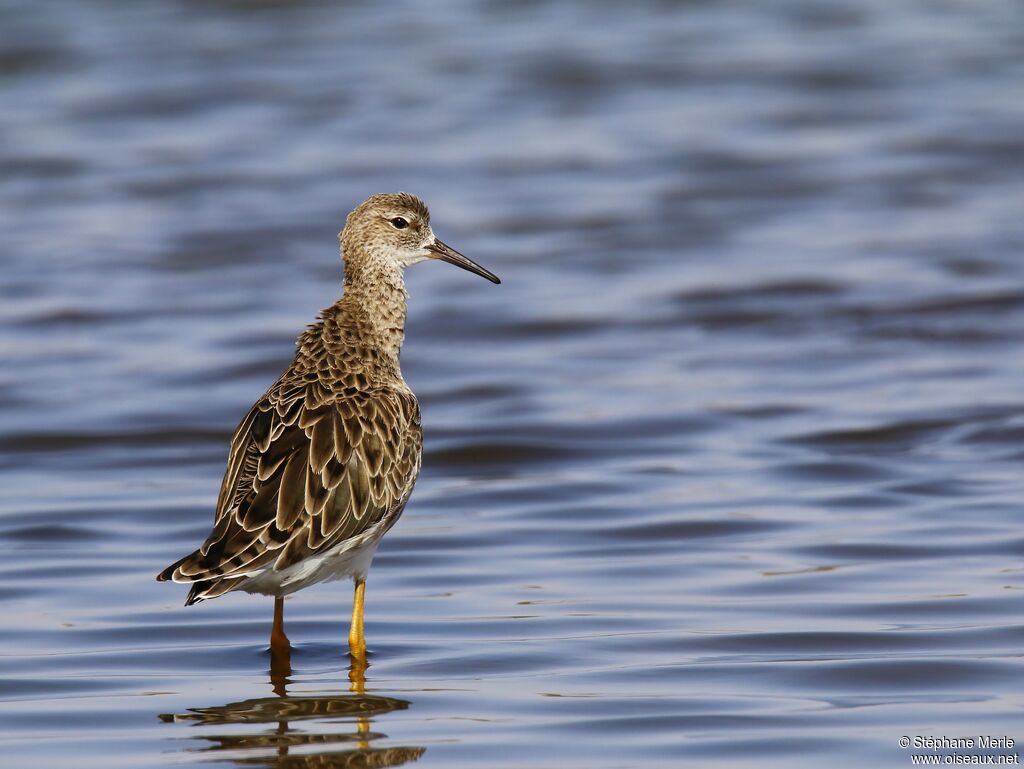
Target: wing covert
309, 469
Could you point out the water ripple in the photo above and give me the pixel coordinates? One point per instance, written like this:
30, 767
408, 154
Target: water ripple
725, 473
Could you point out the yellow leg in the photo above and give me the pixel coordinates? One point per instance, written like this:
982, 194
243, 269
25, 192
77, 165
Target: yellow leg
356, 638
357, 642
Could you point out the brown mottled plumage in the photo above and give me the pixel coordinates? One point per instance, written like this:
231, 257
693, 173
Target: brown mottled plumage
324, 463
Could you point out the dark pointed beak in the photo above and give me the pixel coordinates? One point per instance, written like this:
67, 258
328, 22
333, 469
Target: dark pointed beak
448, 254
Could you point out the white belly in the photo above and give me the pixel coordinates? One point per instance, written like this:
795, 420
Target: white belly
350, 558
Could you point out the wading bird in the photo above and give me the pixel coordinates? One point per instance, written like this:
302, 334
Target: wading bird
324, 463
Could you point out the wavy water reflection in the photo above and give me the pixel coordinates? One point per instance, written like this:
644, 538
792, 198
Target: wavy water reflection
290, 746
726, 473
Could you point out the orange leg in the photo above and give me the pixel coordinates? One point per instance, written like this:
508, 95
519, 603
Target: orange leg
280, 649
277, 636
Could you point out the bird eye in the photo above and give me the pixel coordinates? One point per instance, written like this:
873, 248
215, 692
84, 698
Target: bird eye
399, 223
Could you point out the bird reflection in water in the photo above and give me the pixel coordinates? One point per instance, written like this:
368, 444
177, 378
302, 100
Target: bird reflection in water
287, 747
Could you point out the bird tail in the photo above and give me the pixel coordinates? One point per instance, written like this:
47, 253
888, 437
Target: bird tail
202, 588
211, 588
167, 575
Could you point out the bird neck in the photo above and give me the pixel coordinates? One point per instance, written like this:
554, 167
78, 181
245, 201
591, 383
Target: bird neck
366, 327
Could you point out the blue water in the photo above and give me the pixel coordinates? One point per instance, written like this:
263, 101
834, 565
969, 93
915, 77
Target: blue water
726, 473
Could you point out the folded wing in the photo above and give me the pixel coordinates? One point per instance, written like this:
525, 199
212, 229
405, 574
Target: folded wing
307, 470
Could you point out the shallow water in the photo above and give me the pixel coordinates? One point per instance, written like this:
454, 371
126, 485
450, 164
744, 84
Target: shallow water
726, 473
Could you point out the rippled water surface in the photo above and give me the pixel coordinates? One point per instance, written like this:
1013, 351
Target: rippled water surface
727, 472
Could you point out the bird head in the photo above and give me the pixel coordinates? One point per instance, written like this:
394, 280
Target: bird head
392, 230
